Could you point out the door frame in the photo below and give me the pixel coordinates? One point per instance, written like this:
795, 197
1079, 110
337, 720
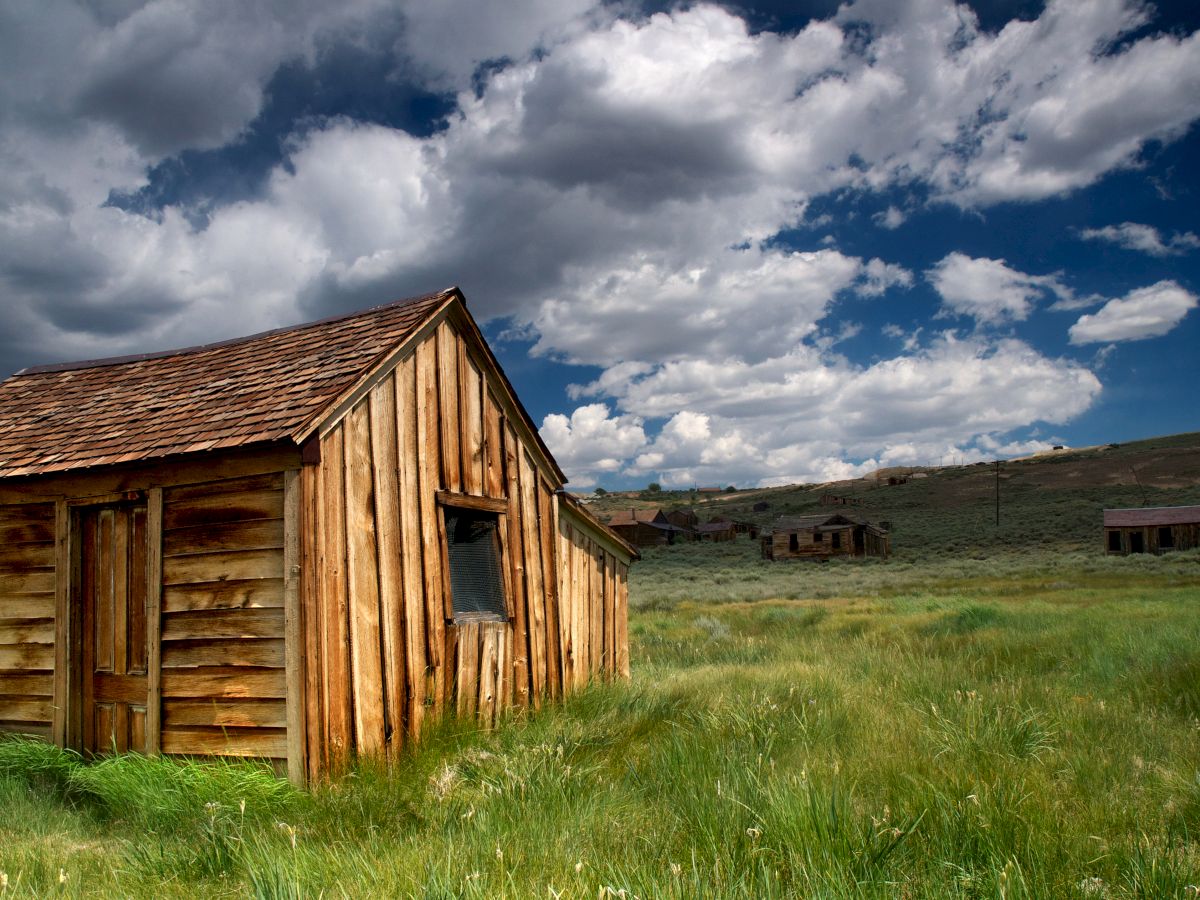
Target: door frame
70, 661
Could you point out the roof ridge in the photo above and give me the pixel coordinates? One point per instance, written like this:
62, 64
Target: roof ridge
229, 342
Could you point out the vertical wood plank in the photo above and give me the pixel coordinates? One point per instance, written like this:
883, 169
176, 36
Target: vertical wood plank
471, 415
120, 593
89, 587
447, 377
413, 599
504, 670
487, 672
535, 591
596, 606
516, 563
547, 516
427, 480
493, 449
610, 614
138, 590
467, 667
154, 545
579, 587
335, 633
293, 627
101, 635
622, 620
310, 531
565, 602
63, 701
384, 469
366, 667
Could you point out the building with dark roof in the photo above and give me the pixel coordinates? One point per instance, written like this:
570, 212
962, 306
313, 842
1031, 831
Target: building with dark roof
1151, 529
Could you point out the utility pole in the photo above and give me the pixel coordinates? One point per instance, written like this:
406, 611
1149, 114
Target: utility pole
997, 493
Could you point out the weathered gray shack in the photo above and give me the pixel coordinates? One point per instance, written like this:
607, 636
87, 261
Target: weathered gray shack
824, 536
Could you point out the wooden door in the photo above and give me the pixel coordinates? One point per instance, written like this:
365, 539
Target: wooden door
113, 585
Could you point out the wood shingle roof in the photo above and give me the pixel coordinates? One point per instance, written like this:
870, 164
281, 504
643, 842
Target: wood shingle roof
267, 387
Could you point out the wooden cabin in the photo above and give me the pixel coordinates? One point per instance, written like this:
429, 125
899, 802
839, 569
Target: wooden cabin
683, 518
824, 536
300, 545
646, 528
715, 532
1151, 530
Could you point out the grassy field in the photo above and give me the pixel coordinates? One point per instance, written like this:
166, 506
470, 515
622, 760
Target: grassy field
990, 713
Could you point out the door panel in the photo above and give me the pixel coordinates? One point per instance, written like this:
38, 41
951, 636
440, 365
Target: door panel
114, 591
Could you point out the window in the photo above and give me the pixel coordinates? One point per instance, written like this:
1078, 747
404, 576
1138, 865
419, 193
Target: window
836, 538
1114, 542
794, 542
476, 576
1166, 538
818, 537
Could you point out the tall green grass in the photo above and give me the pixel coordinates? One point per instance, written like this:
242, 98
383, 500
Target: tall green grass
1031, 733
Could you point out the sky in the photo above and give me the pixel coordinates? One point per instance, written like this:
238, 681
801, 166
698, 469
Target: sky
711, 244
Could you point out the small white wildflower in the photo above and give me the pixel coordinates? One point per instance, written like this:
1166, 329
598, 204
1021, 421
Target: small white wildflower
1093, 885
474, 876
3, 881
579, 867
754, 833
676, 869
499, 853
62, 876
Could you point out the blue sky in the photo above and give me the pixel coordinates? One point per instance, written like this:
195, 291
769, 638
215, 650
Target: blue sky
711, 244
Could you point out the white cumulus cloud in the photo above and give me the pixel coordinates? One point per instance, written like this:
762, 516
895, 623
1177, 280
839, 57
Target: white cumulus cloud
1143, 313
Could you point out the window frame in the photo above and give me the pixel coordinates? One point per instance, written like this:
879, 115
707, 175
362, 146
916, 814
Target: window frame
449, 502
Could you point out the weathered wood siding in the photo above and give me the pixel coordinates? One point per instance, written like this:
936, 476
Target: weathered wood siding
593, 588
436, 429
27, 618
222, 656
1181, 537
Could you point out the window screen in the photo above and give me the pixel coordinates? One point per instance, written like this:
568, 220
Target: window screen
476, 579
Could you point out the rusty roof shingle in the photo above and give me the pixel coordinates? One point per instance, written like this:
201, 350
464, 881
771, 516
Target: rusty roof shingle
262, 388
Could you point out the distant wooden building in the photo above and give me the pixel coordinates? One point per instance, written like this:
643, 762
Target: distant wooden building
683, 518
300, 545
646, 528
824, 536
715, 532
1151, 530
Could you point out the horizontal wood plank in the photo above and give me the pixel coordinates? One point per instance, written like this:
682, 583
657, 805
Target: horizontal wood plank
21, 684
228, 683
192, 469
255, 534
26, 631
471, 501
33, 729
27, 606
223, 508
12, 514
38, 710
36, 532
27, 656
234, 594
120, 688
222, 652
199, 741
17, 558
38, 582
225, 713
272, 481
231, 566
223, 623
